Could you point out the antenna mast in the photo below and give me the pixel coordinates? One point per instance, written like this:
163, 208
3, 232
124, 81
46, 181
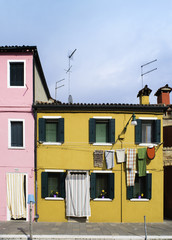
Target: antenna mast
69, 71
142, 74
56, 87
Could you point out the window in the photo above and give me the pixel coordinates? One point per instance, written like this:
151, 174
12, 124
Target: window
51, 130
102, 185
16, 74
142, 188
16, 133
53, 184
101, 130
148, 131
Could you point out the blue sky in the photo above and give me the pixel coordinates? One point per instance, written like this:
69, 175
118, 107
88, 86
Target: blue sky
113, 39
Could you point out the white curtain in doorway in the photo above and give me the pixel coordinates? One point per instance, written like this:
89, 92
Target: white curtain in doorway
78, 194
15, 195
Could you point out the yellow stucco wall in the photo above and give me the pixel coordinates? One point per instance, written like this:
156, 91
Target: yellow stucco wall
77, 154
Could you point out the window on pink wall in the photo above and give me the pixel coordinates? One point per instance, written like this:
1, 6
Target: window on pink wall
16, 73
16, 133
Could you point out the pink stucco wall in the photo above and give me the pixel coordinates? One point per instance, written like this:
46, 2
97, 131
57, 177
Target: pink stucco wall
16, 103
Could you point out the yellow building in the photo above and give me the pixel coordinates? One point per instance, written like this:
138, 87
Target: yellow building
92, 165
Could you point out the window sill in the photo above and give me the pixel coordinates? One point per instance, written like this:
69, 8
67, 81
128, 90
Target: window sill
52, 143
16, 148
148, 144
102, 144
54, 198
139, 200
102, 199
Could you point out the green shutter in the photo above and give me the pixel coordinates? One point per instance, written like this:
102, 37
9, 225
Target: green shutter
61, 130
93, 185
62, 184
92, 130
149, 186
111, 178
157, 131
112, 130
130, 192
42, 122
44, 184
138, 131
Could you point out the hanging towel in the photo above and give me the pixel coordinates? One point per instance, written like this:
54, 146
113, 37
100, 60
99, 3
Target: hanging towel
142, 162
98, 158
131, 166
120, 155
109, 157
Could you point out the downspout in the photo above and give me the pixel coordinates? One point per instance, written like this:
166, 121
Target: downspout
35, 143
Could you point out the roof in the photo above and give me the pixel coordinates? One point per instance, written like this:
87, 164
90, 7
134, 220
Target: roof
34, 51
166, 88
57, 105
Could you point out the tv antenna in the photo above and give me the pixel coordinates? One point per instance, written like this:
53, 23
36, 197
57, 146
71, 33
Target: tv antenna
70, 100
56, 87
142, 74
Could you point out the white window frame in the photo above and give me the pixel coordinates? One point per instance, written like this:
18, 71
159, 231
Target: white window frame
8, 73
102, 118
52, 143
9, 133
52, 198
148, 144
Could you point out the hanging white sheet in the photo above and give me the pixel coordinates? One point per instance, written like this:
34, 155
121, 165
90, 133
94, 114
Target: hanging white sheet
78, 194
15, 195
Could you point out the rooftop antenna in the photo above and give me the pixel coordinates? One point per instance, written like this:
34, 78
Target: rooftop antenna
70, 100
56, 87
142, 74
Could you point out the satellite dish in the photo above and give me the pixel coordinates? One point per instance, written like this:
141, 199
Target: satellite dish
70, 99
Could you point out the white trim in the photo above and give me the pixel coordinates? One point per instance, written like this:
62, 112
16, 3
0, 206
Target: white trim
139, 200
54, 199
52, 143
52, 170
51, 117
102, 117
8, 73
147, 144
9, 133
103, 199
148, 118
102, 144
101, 171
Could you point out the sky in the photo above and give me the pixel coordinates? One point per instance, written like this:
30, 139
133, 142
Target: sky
112, 38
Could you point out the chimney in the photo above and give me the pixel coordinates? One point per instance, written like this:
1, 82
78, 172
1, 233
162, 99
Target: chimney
163, 95
143, 95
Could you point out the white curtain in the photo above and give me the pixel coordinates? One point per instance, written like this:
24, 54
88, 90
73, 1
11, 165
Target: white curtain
15, 195
78, 194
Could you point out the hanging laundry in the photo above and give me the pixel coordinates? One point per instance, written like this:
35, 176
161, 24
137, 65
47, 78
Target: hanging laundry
131, 166
109, 157
120, 155
151, 152
98, 158
142, 162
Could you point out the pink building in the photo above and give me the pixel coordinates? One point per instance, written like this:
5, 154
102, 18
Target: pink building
22, 83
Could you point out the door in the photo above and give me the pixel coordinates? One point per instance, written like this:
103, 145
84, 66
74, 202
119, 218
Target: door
16, 196
77, 194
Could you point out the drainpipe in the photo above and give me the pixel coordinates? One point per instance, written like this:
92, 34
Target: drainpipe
35, 166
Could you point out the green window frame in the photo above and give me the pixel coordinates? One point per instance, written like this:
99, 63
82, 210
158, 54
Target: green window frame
53, 184
102, 185
152, 127
143, 185
51, 130
101, 130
